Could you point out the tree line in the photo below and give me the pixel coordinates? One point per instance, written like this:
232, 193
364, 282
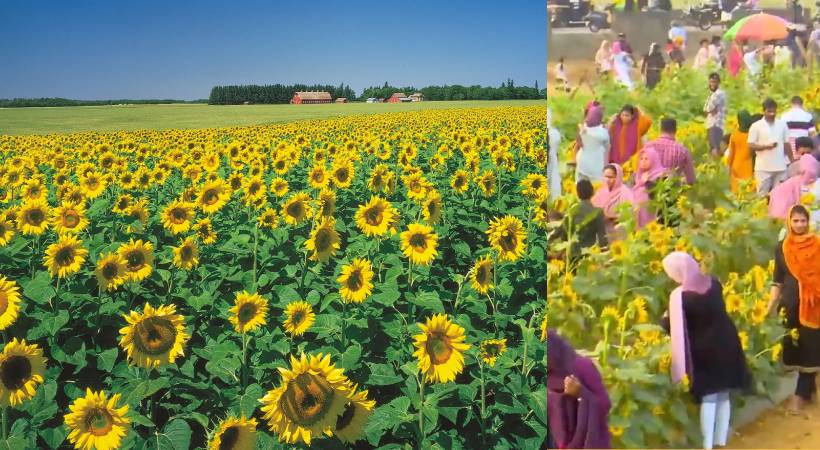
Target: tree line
507, 91
271, 93
55, 101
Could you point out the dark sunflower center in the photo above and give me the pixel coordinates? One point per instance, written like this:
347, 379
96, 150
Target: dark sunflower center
438, 348
536, 184
418, 241
484, 274
229, 438
374, 216
342, 175
492, 349
15, 371
178, 215
432, 208
378, 180
508, 241
298, 316
135, 259
236, 183
354, 281
307, 399
76, 197
318, 176
123, 203
35, 216
154, 336
246, 312
110, 270
127, 179
99, 422
210, 196
280, 165
346, 417
92, 182
323, 240
254, 188
71, 219
187, 252
64, 256
296, 209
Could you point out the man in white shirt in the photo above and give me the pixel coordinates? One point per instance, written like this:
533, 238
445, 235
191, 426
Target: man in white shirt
768, 138
799, 121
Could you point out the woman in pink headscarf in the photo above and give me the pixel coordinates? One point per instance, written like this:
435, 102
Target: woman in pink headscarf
706, 347
789, 193
650, 170
610, 196
593, 148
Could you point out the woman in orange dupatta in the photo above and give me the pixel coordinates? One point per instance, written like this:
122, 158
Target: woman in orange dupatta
740, 161
796, 293
627, 134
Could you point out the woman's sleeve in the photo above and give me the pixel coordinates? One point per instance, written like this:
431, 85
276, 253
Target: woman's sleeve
592, 383
779, 267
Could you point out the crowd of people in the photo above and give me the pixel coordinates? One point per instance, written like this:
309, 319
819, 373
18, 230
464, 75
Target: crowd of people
618, 172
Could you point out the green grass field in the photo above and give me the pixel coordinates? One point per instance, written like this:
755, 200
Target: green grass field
134, 117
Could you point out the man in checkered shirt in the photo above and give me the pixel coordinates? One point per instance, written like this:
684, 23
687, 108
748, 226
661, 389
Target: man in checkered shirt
674, 155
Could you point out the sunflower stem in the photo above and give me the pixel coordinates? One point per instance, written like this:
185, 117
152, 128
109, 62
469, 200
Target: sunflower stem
255, 248
483, 398
5, 423
304, 273
244, 361
421, 411
344, 324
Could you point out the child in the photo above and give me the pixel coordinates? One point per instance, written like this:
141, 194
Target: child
561, 75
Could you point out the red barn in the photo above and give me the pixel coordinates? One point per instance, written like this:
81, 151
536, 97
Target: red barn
310, 98
396, 98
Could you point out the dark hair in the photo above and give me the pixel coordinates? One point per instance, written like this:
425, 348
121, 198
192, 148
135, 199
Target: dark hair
704, 41
669, 125
714, 76
769, 104
799, 209
796, 100
628, 108
584, 189
804, 142
611, 167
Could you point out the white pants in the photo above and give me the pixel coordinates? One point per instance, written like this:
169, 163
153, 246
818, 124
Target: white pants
766, 181
715, 412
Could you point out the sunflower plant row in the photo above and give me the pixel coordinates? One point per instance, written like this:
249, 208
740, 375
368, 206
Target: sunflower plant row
370, 281
610, 304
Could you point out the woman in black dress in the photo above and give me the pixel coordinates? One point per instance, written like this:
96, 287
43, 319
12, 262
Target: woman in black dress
653, 65
705, 345
795, 293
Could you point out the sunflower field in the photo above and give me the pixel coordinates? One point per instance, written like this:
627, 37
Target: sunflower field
364, 282
609, 304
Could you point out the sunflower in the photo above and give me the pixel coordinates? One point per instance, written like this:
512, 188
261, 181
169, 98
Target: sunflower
297, 209
177, 217
186, 256
154, 337
440, 349
33, 190
299, 317
255, 190
205, 231
234, 434
324, 240
312, 396
327, 203
22, 367
482, 275
248, 312
534, 185
111, 271
378, 178
279, 187
487, 183
236, 181
491, 349
507, 237
32, 218
139, 258
460, 181
417, 186
419, 243
65, 256
376, 217
93, 185
213, 195
210, 162
69, 218
96, 422
6, 231
431, 209
9, 302
540, 211
356, 280
343, 173
350, 425
123, 204
318, 176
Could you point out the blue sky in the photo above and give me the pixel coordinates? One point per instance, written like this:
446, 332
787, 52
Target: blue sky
174, 49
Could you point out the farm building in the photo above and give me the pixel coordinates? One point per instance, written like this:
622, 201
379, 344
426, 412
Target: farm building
374, 100
398, 97
417, 97
341, 100
309, 98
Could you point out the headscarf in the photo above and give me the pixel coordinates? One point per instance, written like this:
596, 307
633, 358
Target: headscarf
594, 116
624, 139
744, 121
560, 356
609, 199
604, 51
684, 270
616, 48
656, 168
801, 253
787, 194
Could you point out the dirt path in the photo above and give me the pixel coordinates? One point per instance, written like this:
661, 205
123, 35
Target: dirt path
775, 429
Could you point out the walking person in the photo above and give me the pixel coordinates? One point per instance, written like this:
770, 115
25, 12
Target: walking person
702, 56
603, 59
652, 67
768, 138
627, 134
706, 347
609, 197
715, 109
799, 121
790, 192
674, 156
740, 159
593, 152
577, 401
796, 293
585, 224
649, 173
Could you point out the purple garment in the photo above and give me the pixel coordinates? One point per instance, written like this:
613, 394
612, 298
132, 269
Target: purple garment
575, 422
